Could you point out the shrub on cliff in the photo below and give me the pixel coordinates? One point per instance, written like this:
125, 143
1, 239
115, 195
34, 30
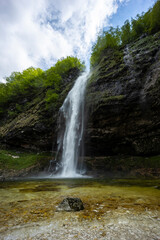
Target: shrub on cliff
155, 18
20, 88
108, 39
146, 23
54, 78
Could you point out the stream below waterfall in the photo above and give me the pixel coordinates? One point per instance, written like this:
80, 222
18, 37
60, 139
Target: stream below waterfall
114, 209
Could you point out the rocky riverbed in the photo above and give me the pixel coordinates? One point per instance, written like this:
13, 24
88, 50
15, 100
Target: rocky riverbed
120, 224
113, 209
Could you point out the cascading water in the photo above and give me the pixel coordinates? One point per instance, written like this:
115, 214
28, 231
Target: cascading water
72, 118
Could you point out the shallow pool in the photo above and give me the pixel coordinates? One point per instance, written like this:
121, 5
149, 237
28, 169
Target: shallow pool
114, 209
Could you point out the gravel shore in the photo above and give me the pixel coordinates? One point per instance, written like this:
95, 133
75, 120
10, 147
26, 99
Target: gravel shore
119, 224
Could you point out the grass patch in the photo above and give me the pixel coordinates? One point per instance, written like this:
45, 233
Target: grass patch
20, 160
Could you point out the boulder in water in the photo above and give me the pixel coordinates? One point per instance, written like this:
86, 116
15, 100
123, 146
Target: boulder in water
70, 205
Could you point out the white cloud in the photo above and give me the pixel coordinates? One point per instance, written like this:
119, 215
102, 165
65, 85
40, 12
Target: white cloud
34, 31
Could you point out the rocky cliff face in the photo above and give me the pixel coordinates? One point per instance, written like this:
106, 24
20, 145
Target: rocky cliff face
122, 106
36, 128
122, 101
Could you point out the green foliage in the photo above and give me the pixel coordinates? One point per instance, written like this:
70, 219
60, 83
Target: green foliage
110, 38
54, 76
3, 93
23, 83
138, 26
146, 23
20, 88
126, 32
155, 18
65, 64
51, 98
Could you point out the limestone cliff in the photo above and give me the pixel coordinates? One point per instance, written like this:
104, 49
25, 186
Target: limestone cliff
122, 101
35, 128
122, 106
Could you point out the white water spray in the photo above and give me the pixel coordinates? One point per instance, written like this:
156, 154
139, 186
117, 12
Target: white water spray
69, 141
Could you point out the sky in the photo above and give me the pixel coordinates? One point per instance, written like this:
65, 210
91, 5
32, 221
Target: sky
39, 32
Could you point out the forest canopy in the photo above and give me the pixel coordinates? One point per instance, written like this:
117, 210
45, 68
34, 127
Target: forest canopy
146, 23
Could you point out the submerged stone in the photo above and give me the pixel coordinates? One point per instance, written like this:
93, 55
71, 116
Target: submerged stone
70, 204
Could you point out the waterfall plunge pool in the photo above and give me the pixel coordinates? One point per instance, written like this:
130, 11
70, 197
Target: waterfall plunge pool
114, 209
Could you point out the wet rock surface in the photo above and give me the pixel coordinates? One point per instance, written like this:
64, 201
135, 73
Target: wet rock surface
123, 166
122, 101
70, 204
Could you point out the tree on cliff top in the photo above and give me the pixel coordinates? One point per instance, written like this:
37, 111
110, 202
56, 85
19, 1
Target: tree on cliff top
147, 23
22, 87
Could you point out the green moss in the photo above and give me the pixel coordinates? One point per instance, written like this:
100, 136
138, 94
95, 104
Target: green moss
20, 160
146, 44
114, 98
109, 68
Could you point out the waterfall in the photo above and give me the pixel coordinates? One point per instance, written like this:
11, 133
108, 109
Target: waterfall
71, 124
